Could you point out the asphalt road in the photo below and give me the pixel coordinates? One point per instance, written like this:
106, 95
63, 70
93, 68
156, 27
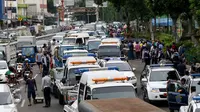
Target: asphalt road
139, 67
55, 107
23, 106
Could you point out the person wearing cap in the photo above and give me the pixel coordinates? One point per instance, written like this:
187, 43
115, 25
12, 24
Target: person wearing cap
20, 58
12, 78
26, 66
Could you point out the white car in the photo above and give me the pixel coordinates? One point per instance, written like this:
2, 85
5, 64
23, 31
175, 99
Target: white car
7, 100
154, 81
123, 67
194, 106
3, 70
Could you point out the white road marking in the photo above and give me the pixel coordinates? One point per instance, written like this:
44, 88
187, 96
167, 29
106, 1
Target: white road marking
23, 102
35, 76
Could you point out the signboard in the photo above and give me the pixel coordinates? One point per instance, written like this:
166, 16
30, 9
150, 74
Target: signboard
69, 2
20, 19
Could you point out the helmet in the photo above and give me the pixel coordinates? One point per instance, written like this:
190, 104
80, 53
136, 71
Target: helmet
20, 54
12, 74
27, 60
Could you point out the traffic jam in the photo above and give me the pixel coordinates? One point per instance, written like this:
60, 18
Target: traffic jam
91, 71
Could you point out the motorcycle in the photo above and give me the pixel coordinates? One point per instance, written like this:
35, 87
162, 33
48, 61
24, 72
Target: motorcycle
19, 69
12, 87
26, 75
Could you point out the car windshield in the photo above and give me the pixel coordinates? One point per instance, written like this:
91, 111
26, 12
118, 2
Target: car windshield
109, 49
1, 55
102, 34
20, 44
5, 98
72, 76
93, 45
113, 92
120, 66
3, 65
164, 75
69, 41
27, 51
39, 43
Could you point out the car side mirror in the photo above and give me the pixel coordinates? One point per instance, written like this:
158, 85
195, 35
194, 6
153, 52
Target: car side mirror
134, 69
144, 80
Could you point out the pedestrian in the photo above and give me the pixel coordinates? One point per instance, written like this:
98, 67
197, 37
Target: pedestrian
46, 83
31, 86
45, 63
168, 53
186, 76
137, 50
39, 60
181, 68
146, 57
130, 51
44, 48
154, 55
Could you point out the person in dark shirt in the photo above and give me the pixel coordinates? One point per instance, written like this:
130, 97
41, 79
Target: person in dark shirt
181, 68
31, 87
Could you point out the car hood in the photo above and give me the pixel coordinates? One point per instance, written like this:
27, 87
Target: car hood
3, 71
159, 84
7, 108
128, 73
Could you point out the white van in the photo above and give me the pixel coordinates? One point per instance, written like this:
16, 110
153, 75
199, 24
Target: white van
77, 38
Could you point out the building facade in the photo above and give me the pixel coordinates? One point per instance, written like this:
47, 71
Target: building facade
28, 9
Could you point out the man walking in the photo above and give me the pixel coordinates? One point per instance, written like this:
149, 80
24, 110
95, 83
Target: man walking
31, 87
46, 83
45, 63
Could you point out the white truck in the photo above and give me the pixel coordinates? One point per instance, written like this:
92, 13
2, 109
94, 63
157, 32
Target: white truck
25, 40
8, 51
101, 84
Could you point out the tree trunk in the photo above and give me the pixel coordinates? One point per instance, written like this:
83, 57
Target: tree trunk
151, 29
154, 24
175, 29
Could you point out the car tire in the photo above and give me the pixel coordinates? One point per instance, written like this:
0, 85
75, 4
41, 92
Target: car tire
61, 99
145, 96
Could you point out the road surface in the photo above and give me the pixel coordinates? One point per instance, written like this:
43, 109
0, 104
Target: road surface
55, 107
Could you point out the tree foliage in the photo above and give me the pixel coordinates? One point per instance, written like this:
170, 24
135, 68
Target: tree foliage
195, 8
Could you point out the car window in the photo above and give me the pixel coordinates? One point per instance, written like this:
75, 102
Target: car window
120, 66
5, 98
197, 85
3, 65
88, 93
113, 92
81, 92
163, 75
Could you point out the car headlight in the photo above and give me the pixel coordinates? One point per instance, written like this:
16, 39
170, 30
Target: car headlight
155, 90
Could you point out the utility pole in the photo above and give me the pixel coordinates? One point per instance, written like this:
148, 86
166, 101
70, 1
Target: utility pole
43, 12
63, 10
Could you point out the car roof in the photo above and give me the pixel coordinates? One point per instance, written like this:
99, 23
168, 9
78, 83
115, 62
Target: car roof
4, 88
80, 59
85, 66
109, 84
3, 61
111, 40
88, 76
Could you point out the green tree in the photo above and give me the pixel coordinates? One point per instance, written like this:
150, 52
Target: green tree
50, 7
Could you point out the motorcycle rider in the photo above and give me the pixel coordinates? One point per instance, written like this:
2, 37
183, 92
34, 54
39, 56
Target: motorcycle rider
20, 58
27, 66
12, 79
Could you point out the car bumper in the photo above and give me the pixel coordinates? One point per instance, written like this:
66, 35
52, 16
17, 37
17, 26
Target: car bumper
157, 96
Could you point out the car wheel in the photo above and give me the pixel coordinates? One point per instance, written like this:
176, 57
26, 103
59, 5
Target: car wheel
61, 99
145, 96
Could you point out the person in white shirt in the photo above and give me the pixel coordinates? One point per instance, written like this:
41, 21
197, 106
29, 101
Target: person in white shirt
46, 83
